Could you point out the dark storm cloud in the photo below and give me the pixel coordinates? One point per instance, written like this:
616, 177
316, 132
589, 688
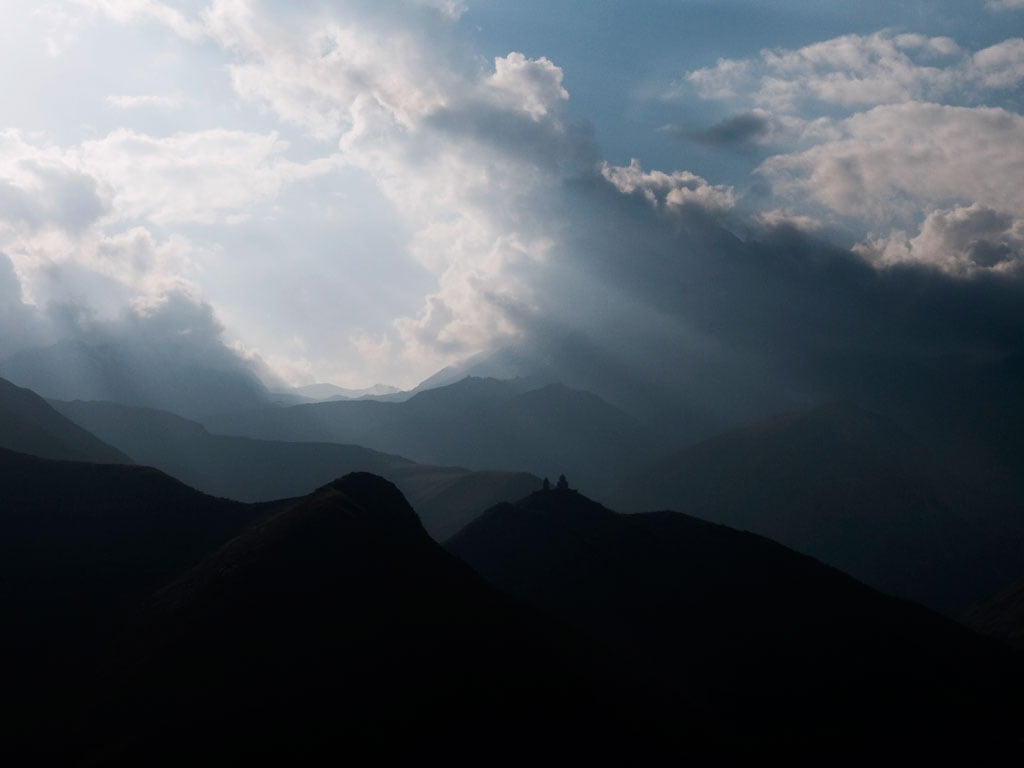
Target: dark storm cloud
734, 131
169, 355
674, 317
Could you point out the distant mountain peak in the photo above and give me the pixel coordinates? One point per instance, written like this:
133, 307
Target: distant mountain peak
327, 391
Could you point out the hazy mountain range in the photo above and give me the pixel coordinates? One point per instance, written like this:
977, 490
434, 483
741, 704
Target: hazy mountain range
840, 483
477, 423
248, 469
151, 621
334, 392
853, 489
29, 425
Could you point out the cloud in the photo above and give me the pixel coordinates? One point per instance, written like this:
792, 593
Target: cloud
624, 278
163, 350
781, 219
146, 11
532, 85
960, 241
464, 150
736, 130
78, 221
466, 153
124, 101
199, 176
22, 326
1004, 5
670, 315
316, 69
453, 9
898, 159
902, 160
54, 196
999, 66
671, 190
857, 71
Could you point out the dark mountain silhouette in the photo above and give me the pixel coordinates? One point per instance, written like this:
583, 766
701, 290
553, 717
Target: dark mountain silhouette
28, 424
149, 623
330, 628
793, 653
247, 469
1002, 616
82, 543
475, 423
851, 488
136, 375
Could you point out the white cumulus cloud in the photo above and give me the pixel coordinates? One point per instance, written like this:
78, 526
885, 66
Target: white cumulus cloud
670, 190
859, 71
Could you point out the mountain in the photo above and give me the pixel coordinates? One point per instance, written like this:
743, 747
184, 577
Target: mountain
337, 629
135, 375
82, 543
851, 488
150, 624
29, 425
147, 623
505, 364
248, 469
1002, 616
476, 423
794, 654
333, 392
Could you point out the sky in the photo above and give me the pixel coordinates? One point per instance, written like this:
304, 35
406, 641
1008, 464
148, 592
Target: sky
366, 191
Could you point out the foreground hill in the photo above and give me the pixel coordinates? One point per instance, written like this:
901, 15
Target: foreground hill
28, 424
1002, 616
848, 487
337, 629
330, 627
82, 543
796, 654
475, 423
262, 470
150, 624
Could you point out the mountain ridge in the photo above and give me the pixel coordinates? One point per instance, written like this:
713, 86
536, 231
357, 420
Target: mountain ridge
479, 423
850, 487
252, 470
789, 649
28, 424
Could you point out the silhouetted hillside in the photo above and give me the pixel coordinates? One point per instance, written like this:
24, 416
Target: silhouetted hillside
335, 630
851, 488
1002, 616
135, 375
151, 624
795, 654
81, 544
262, 470
475, 423
29, 425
